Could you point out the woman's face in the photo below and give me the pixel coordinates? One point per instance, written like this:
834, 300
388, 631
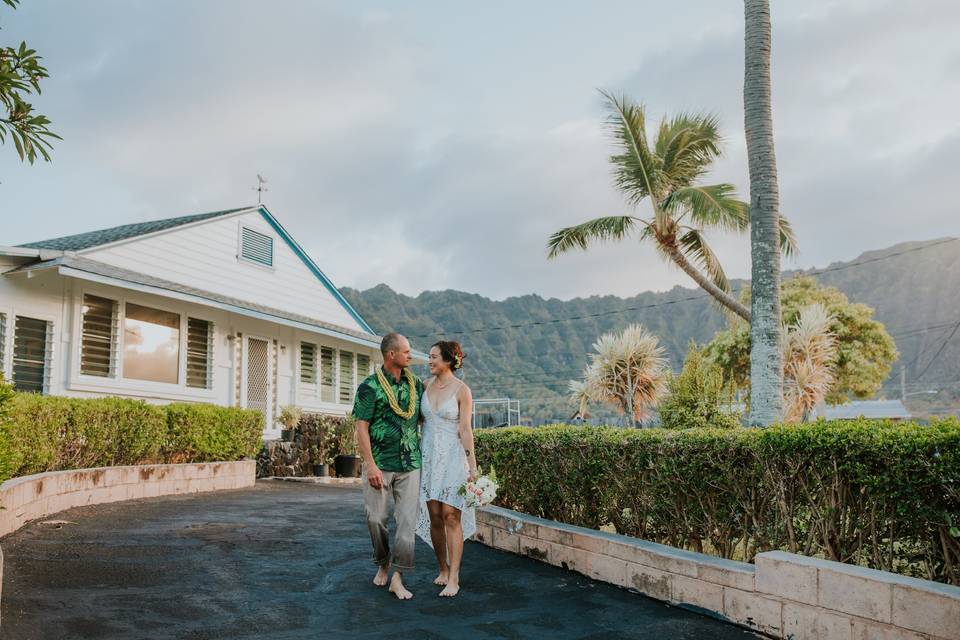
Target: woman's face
436, 362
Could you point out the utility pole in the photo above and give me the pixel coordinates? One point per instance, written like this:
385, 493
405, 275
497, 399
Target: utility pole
903, 382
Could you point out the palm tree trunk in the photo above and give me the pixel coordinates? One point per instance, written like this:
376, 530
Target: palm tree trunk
706, 284
766, 367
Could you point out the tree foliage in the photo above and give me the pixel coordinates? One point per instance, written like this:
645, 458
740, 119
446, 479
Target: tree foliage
666, 171
864, 353
698, 397
20, 77
628, 370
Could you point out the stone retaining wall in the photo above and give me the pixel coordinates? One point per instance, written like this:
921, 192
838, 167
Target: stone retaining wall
783, 595
37, 496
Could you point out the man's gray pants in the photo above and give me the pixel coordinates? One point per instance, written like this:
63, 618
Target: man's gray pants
404, 488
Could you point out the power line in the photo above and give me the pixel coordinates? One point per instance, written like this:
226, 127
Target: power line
940, 350
653, 305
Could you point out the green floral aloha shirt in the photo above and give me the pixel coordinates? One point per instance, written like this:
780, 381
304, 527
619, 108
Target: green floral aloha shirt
395, 442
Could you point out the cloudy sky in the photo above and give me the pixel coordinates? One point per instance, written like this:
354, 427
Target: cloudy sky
436, 145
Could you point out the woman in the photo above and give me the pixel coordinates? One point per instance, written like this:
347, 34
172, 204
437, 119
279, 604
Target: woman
444, 521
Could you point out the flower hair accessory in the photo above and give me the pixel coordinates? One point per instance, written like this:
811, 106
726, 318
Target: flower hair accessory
458, 359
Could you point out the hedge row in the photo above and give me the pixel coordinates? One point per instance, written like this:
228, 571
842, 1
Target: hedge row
49, 433
878, 494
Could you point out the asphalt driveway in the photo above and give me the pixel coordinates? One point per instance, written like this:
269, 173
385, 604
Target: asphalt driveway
283, 561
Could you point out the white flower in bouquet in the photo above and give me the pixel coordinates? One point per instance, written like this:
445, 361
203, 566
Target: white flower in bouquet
481, 491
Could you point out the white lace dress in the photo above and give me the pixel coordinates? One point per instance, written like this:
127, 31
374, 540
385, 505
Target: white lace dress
444, 465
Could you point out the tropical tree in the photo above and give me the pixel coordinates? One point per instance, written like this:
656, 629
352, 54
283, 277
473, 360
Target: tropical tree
20, 76
580, 398
699, 396
809, 351
666, 172
628, 371
865, 351
766, 367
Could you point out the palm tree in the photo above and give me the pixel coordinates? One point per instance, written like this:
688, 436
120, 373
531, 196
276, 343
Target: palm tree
666, 172
809, 351
766, 368
628, 371
580, 397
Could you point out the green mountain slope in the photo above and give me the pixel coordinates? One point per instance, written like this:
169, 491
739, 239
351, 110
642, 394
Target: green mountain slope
528, 347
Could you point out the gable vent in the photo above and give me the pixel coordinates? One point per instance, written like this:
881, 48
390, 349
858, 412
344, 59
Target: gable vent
256, 247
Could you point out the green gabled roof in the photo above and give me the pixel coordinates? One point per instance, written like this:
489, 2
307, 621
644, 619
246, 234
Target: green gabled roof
82, 241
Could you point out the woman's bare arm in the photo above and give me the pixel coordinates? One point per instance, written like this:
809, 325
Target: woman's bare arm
465, 400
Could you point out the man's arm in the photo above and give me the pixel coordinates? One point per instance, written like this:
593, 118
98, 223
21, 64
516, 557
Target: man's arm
363, 412
374, 475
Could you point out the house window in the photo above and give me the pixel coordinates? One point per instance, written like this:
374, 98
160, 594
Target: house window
256, 247
308, 363
31, 354
327, 383
151, 347
199, 353
346, 377
98, 336
363, 367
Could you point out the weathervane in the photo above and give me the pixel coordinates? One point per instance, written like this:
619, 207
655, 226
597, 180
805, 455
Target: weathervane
260, 188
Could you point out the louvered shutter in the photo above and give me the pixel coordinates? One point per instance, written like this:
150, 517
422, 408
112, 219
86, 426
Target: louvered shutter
363, 367
98, 342
346, 377
32, 346
327, 385
308, 363
256, 247
3, 343
199, 353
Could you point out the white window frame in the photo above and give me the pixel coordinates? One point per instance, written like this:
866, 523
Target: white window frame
273, 248
50, 364
311, 396
118, 384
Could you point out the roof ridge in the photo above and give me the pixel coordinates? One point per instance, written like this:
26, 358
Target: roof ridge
90, 239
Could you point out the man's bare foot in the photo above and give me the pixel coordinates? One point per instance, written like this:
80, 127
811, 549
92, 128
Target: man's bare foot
380, 579
442, 578
450, 590
397, 588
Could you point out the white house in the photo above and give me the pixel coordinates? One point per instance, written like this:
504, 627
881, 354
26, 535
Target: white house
223, 307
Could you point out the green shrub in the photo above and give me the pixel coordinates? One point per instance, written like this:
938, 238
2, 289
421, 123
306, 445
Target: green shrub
51, 433
206, 433
698, 396
878, 494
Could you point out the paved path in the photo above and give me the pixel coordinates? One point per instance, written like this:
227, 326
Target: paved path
285, 561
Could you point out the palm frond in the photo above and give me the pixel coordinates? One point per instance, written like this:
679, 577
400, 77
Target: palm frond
687, 145
579, 236
695, 247
635, 167
788, 241
711, 206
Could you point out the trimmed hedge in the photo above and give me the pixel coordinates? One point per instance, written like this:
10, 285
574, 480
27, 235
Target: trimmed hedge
874, 493
50, 433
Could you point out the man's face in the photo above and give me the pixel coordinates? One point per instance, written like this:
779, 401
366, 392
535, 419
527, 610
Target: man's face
402, 356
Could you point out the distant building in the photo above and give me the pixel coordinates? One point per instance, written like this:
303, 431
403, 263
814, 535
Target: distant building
876, 409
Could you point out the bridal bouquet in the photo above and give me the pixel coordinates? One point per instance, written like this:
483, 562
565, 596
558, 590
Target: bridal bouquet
481, 491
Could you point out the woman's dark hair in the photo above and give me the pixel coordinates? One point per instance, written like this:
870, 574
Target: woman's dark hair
451, 352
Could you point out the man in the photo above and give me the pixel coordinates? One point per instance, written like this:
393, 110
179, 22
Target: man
387, 409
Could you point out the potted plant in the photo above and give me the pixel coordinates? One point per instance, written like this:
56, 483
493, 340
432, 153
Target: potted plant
318, 461
347, 462
289, 418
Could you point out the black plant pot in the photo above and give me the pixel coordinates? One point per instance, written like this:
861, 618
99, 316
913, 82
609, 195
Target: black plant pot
321, 470
286, 435
347, 466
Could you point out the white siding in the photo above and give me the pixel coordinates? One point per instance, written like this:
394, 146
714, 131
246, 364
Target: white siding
57, 299
205, 256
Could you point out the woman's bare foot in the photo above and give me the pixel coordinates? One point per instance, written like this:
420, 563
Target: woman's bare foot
380, 579
442, 578
450, 590
397, 588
